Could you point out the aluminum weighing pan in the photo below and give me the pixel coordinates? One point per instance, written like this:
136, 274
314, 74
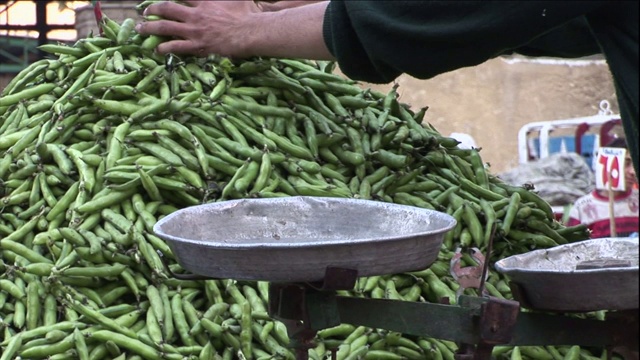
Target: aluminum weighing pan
590, 275
294, 239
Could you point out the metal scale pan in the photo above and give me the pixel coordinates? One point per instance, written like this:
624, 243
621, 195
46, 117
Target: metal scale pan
295, 239
590, 275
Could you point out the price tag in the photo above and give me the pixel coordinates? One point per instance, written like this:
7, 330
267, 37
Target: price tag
610, 169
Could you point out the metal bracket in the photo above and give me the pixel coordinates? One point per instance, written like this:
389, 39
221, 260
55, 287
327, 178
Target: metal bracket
290, 303
468, 276
519, 295
496, 320
336, 278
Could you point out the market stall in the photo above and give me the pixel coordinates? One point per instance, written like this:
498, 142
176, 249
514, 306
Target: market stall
106, 143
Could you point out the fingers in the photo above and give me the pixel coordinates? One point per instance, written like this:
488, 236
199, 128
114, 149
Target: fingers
169, 10
180, 47
196, 27
164, 28
174, 21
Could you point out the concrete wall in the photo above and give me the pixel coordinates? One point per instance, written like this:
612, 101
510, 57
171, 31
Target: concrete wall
492, 101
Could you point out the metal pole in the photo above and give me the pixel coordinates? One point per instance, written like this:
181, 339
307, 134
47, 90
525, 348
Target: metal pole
41, 24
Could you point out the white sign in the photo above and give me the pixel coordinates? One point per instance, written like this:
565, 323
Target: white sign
610, 169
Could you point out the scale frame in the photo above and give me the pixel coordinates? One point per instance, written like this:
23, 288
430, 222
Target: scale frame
476, 323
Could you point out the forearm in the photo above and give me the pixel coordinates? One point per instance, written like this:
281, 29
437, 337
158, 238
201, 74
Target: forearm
239, 29
285, 4
290, 32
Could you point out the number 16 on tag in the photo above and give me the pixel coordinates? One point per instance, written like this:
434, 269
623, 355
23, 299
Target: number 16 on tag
610, 169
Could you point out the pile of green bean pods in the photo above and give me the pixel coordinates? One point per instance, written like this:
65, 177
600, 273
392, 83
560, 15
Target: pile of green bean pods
104, 138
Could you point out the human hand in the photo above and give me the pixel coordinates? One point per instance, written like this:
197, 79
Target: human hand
202, 27
240, 28
284, 4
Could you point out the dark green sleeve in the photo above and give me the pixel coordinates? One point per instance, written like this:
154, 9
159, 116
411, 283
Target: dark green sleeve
377, 40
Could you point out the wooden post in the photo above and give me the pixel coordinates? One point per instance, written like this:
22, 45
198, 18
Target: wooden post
612, 216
